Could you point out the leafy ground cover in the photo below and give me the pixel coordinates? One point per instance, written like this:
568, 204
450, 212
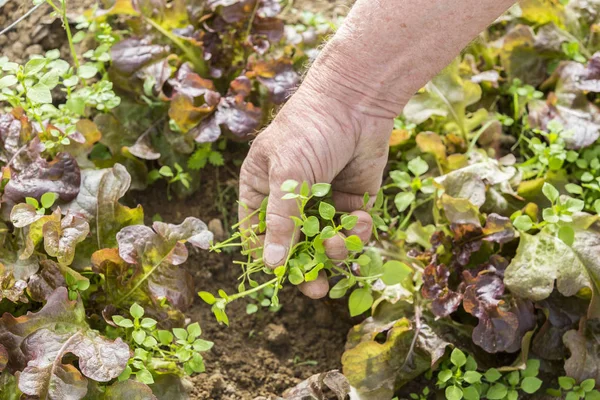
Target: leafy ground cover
482, 280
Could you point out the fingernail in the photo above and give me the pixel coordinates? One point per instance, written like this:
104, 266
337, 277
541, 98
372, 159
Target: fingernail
361, 227
274, 254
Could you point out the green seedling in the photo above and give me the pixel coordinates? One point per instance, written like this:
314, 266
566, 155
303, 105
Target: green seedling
318, 221
159, 351
569, 389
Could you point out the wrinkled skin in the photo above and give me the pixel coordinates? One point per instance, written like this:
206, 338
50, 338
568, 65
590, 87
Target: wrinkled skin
336, 128
314, 139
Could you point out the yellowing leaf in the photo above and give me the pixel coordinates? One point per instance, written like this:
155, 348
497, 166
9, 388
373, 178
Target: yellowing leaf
399, 136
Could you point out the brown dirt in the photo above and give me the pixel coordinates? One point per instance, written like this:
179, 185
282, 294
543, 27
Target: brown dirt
38, 33
260, 354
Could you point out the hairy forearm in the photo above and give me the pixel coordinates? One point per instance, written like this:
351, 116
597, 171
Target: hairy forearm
387, 49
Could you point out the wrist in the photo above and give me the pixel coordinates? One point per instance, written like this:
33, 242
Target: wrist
345, 75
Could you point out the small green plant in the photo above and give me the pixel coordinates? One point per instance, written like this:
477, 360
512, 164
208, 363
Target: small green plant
263, 299
318, 222
410, 187
46, 202
159, 351
557, 218
424, 395
549, 153
459, 378
569, 389
165, 172
522, 94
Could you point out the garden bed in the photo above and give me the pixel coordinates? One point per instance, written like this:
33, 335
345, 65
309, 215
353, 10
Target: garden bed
481, 281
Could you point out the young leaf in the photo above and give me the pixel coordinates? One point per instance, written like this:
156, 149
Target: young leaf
497, 392
418, 166
523, 223
403, 200
360, 301
311, 226
207, 297
458, 358
454, 393
295, 276
492, 375
395, 272
531, 384
194, 330
349, 221
136, 311
550, 192
326, 211
48, 199
353, 243
320, 189
251, 308
289, 186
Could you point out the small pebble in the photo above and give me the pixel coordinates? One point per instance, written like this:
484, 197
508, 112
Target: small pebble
216, 227
275, 334
34, 49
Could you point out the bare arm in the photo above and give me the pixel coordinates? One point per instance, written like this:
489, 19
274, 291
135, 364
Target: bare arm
386, 50
336, 127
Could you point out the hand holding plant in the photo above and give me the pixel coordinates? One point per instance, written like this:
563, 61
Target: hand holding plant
313, 139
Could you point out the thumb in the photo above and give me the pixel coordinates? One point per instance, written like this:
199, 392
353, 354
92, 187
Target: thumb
281, 230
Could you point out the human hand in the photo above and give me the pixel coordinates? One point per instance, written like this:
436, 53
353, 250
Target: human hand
317, 139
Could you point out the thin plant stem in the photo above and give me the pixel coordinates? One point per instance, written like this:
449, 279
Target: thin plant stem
63, 14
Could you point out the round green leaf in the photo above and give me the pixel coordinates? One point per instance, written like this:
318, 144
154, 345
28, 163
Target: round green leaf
454, 393
7, 81
395, 272
311, 226
360, 301
588, 385
87, 71
340, 289
523, 223
472, 377
349, 221
48, 199
403, 200
289, 186
320, 189
194, 330
550, 192
144, 376
251, 308
207, 297
445, 375
39, 94
353, 243
470, 393
418, 166
139, 336
165, 337
148, 323
295, 276
136, 311
458, 358
566, 382
492, 375
497, 392
531, 384
326, 211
